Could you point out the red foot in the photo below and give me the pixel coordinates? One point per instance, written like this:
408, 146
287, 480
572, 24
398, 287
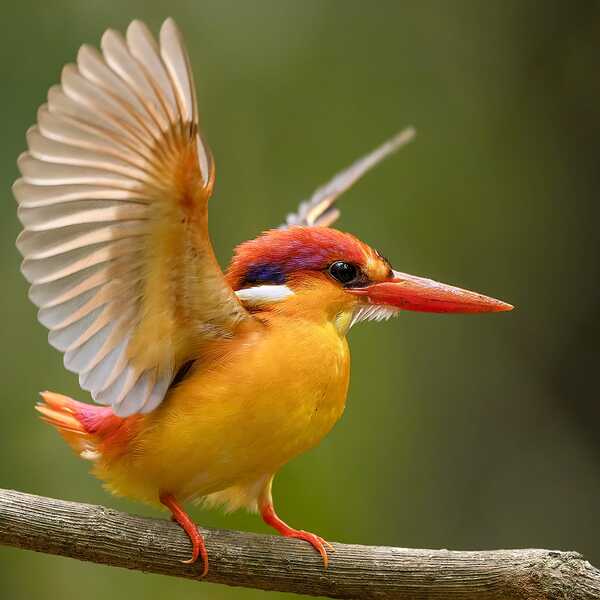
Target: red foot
270, 517
183, 519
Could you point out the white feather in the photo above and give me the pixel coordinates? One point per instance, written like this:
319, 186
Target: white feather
373, 312
261, 294
96, 377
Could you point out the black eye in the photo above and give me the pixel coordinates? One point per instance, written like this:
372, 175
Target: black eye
342, 271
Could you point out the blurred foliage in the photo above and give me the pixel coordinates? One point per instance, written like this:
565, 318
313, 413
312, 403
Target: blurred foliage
460, 432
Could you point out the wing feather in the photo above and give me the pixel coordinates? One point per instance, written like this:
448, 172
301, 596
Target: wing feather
58, 267
176, 60
145, 50
113, 199
79, 212
34, 196
320, 208
67, 130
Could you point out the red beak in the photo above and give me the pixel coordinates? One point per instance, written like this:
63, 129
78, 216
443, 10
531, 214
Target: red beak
408, 292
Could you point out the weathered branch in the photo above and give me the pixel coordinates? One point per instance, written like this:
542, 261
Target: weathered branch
105, 536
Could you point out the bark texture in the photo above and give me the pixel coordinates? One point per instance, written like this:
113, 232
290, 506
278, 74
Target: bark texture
105, 536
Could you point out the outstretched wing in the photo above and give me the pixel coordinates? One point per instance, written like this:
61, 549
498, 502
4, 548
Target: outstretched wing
320, 208
113, 198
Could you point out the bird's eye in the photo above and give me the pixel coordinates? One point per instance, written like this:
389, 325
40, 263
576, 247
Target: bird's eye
342, 271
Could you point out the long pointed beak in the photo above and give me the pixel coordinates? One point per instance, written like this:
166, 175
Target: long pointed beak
408, 292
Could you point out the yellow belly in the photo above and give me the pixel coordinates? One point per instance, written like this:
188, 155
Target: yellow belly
274, 396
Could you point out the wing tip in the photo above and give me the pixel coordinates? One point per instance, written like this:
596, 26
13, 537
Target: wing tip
112, 39
319, 208
86, 52
405, 135
169, 26
20, 160
16, 189
138, 27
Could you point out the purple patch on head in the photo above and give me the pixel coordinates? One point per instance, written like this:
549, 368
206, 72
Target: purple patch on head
264, 273
302, 257
275, 255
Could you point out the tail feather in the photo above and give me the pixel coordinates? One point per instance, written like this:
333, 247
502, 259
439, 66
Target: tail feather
83, 426
58, 411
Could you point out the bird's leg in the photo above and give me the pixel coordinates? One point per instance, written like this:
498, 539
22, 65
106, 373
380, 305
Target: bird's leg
185, 522
269, 516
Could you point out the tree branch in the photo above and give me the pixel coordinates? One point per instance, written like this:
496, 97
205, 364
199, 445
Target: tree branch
106, 536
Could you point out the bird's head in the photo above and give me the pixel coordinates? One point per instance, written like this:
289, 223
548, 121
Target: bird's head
322, 272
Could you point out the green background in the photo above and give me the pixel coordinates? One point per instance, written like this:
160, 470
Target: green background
460, 431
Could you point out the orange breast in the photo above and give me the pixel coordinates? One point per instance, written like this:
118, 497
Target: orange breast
274, 394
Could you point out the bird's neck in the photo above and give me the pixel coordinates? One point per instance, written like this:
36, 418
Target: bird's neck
311, 308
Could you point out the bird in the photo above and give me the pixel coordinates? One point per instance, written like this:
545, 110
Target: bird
205, 382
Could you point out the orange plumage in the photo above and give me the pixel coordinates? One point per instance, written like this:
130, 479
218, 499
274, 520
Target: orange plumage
211, 382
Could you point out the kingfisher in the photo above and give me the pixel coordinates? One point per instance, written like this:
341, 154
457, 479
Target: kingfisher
206, 382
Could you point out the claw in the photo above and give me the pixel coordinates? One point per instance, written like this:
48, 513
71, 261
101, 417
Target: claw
318, 543
183, 519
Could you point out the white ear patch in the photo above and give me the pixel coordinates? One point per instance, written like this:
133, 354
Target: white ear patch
262, 294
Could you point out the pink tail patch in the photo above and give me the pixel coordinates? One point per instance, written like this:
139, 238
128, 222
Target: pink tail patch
90, 430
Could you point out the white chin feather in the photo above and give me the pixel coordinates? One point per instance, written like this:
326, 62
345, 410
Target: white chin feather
373, 313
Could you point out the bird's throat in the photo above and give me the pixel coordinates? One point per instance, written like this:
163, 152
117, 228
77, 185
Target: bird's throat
343, 321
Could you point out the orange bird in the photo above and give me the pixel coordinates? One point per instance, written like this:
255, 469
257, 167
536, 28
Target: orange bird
209, 382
